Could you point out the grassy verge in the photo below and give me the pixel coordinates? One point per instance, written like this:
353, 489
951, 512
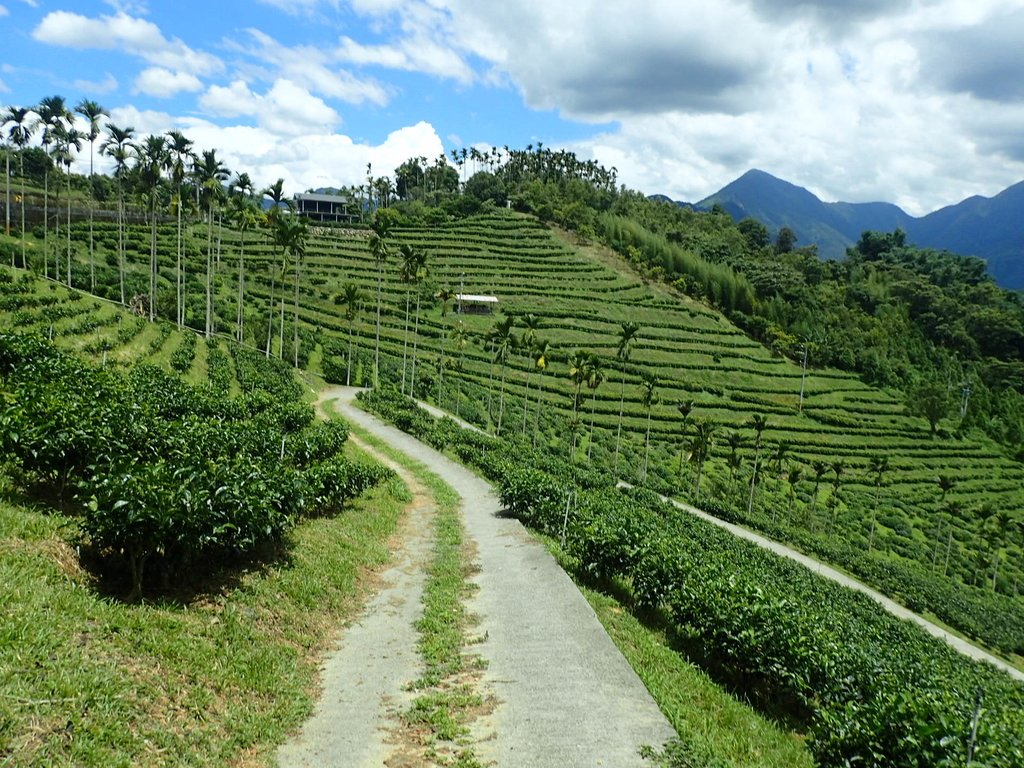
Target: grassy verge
87, 680
447, 698
715, 729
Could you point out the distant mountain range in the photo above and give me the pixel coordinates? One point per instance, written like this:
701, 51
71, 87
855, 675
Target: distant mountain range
990, 228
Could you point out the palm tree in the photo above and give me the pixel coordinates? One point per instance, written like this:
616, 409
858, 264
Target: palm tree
423, 273
117, 145
820, 469
93, 113
946, 484
700, 450
20, 134
541, 356
735, 461
244, 215
7, 177
627, 337
838, 467
352, 298
793, 477
879, 465
460, 338
998, 528
410, 271
527, 341
153, 160
648, 397
685, 408
276, 194
210, 174
595, 377
180, 150
758, 423
52, 112
295, 243
380, 250
778, 457
67, 139
445, 295
503, 343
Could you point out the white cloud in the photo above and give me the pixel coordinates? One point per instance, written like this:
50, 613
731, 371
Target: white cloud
905, 101
311, 68
3, 11
4, 88
162, 83
233, 100
414, 54
97, 87
306, 157
123, 32
285, 109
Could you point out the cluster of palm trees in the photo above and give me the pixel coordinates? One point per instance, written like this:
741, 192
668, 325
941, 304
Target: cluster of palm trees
169, 178
60, 141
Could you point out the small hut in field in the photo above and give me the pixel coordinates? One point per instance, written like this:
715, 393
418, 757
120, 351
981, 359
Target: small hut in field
475, 304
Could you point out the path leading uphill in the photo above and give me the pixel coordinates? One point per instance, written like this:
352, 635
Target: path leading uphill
566, 697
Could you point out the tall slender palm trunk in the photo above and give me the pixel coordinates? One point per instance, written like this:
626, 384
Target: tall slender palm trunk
240, 318
376, 350
69, 227
618, 429
46, 223
21, 170
295, 330
415, 347
209, 273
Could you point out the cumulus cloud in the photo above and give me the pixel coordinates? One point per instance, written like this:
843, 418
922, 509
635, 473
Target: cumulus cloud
135, 36
418, 53
97, 87
981, 59
162, 83
312, 68
905, 101
305, 160
286, 109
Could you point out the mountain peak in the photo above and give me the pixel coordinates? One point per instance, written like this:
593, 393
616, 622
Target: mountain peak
990, 228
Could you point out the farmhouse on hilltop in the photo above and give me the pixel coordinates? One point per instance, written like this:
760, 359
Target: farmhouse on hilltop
324, 208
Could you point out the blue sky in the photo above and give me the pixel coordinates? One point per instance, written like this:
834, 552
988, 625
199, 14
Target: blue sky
918, 102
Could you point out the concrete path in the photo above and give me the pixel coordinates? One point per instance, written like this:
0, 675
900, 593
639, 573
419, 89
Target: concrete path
364, 678
566, 697
963, 646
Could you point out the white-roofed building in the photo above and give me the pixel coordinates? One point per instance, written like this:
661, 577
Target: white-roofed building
476, 304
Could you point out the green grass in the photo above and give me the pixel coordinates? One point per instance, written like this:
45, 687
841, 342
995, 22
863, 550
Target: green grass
88, 680
447, 698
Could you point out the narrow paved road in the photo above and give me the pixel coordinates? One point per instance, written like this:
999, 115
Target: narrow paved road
566, 696
355, 722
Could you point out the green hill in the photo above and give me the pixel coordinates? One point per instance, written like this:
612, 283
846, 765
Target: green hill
937, 550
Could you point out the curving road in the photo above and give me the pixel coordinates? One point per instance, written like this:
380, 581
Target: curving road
565, 695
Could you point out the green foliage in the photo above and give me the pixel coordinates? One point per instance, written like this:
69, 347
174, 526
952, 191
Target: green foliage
162, 472
871, 690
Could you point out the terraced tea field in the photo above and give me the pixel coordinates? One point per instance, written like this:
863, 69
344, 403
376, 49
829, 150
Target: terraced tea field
581, 296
